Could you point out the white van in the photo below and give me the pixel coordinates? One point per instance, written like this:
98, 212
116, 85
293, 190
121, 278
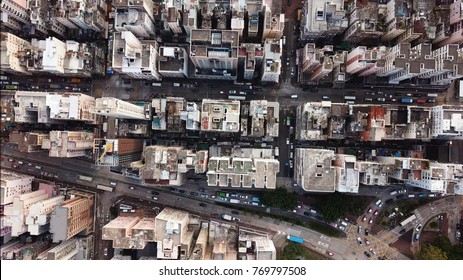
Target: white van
176, 85
112, 183
393, 193
378, 202
313, 211
294, 96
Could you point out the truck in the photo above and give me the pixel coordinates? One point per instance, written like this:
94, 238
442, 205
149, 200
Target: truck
85, 178
406, 100
295, 239
105, 188
407, 220
233, 200
246, 87
349, 97
226, 217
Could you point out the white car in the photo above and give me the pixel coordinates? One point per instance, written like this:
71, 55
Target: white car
232, 91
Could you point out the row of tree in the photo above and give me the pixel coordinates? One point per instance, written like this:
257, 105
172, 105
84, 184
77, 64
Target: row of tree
441, 249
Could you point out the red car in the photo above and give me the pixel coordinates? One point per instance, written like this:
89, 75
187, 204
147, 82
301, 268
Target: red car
376, 213
367, 242
421, 101
370, 221
15, 166
364, 218
369, 210
329, 253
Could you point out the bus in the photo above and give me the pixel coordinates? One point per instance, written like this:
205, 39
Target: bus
407, 220
85, 178
406, 100
222, 194
11, 87
105, 188
349, 97
295, 239
236, 97
432, 94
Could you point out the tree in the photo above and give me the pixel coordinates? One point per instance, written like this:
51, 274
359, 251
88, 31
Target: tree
433, 225
337, 205
292, 251
430, 252
443, 243
279, 198
456, 253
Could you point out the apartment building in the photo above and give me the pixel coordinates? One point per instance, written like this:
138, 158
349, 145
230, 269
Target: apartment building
274, 23
253, 245
173, 62
250, 59
449, 65
28, 142
45, 56
116, 152
53, 107
447, 122
10, 48
168, 165
313, 170
134, 58
130, 232
263, 117
363, 22
83, 59
38, 216
135, 20
14, 14
272, 61
13, 184
347, 174
242, 172
220, 115
373, 173
397, 18
116, 108
73, 249
363, 60
73, 216
172, 113
16, 212
322, 19
455, 30
171, 230
68, 143
214, 53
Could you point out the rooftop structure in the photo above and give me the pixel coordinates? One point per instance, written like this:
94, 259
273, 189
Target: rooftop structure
134, 58
113, 107
167, 165
73, 216
173, 62
241, 172
397, 18
141, 5
14, 14
455, 25
373, 173
322, 19
134, 20
220, 115
83, 59
10, 47
272, 60
449, 65
116, 152
130, 232
223, 239
263, 118
171, 228
192, 116
46, 56
274, 23
314, 170
313, 121
422, 173
38, 217
361, 59
447, 122
73, 249
214, 53
68, 143
347, 175
363, 22
28, 142
16, 213
255, 246
13, 184
250, 59
171, 114
53, 107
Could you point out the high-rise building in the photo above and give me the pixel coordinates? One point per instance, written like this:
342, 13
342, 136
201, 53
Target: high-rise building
28, 142
14, 14
13, 184
214, 53
68, 143
220, 115
363, 21
53, 107
37, 218
272, 61
447, 122
173, 62
313, 170
171, 228
11, 46
115, 152
134, 20
116, 108
134, 58
250, 59
73, 216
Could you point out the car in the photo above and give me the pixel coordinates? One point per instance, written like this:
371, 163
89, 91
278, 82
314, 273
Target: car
154, 198
417, 237
431, 101
105, 252
368, 99
369, 210
329, 253
131, 187
182, 191
417, 95
172, 189
155, 192
287, 141
291, 147
325, 97
20, 162
203, 196
221, 92
242, 93
409, 94
372, 251
179, 199
366, 232
232, 91
194, 193
380, 205
418, 227
359, 229
236, 219
364, 218
376, 213
367, 254
381, 99
402, 231
15, 166
235, 212
359, 241
29, 164
12, 160
371, 220
367, 241
290, 163
421, 101
203, 204
213, 196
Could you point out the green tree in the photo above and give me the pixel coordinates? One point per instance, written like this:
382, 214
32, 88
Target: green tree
456, 253
279, 198
292, 251
443, 243
430, 252
433, 225
337, 205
